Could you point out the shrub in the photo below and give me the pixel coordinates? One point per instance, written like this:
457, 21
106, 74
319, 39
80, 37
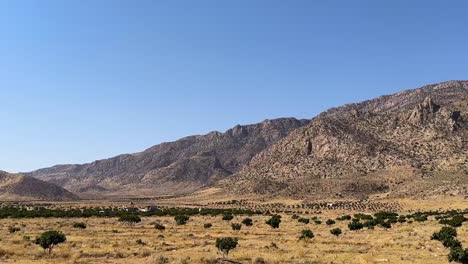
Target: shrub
49, 239
386, 224
420, 218
247, 222
306, 234
444, 233
79, 225
451, 243
130, 219
13, 229
363, 217
455, 221
226, 244
344, 217
295, 216
140, 242
159, 227
228, 217
336, 232
317, 221
181, 219
236, 226
330, 222
458, 255
207, 225
303, 220
355, 225
274, 221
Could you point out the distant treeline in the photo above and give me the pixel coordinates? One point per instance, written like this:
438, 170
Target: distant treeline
25, 212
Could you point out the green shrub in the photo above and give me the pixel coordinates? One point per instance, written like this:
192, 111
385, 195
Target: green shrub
207, 225
336, 232
317, 222
159, 227
303, 220
228, 217
458, 255
455, 221
226, 244
386, 224
130, 219
344, 218
295, 216
444, 233
181, 219
355, 225
274, 221
236, 226
330, 222
247, 222
306, 234
79, 225
49, 239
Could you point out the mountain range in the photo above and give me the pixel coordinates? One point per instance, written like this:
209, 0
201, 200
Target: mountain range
410, 144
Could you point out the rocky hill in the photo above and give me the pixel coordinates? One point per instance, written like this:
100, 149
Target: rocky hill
177, 167
20, 187
407, 144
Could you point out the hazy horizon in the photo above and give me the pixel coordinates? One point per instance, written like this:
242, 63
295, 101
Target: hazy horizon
82, 81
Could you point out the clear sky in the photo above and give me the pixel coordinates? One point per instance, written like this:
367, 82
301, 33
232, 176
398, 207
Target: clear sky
85, 80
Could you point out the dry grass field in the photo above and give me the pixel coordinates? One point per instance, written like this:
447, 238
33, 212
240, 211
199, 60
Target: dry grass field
106, 240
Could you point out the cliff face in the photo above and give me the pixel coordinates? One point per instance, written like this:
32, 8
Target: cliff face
182, 166
387, 144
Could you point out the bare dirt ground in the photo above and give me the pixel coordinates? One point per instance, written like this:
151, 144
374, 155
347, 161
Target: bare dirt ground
105, 240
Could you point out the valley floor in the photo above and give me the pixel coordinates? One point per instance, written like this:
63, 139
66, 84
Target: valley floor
105, 240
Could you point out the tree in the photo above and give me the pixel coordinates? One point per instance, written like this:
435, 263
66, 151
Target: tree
330, 222
247, 222
226, 244
306, 234
336, 232
181, 219
274, 221
49, 239
129, 219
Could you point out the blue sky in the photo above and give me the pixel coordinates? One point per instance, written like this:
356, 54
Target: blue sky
85, 80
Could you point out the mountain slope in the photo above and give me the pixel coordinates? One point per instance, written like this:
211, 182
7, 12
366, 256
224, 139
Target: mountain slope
20, 187
176, 167
411, 142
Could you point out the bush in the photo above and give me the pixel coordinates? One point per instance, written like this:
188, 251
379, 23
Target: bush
274, 221
226, 244
159, 227
207, 225
317, 222
236, 226
247, 222
13, 229
140, 242
303, 220
130, 219
330, 222
295, 216
181, 219
458, 255
444, 233
336, 232
306, 234
386, 224
420, 218
456, 221
228, 217
344, 217
355, 225
49, 239
79, 225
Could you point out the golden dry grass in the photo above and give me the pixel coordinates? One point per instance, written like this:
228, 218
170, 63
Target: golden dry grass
107, 241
